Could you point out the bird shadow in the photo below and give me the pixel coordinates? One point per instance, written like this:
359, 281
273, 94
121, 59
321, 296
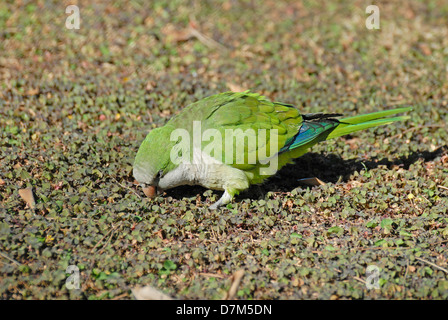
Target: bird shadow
327, 167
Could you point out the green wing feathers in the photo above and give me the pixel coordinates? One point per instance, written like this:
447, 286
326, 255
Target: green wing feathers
251, 112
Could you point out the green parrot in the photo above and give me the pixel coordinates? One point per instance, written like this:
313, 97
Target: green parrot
232, 140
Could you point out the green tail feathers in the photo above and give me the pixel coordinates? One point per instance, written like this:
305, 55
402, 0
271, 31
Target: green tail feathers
356, 123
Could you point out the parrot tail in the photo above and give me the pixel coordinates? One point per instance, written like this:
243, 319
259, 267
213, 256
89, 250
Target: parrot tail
356, 123
318, 127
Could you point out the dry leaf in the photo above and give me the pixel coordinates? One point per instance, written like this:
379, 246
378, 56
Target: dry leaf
150, 85
175, 35
234, 87
165, 113
353, 143
426, 50
27, 196
149, 293
32, 91
312, 181
444, 159
212, 275
236, 279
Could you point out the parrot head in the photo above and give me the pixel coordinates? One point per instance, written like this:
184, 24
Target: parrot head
152, 160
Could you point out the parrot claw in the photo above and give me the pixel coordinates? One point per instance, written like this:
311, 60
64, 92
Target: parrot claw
214, 206
225, 199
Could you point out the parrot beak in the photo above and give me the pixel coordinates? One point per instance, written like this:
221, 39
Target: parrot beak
150, 191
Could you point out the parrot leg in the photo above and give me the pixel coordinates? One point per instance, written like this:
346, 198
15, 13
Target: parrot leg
225, 199
230, 179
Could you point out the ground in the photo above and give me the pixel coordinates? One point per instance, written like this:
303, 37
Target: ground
75, 104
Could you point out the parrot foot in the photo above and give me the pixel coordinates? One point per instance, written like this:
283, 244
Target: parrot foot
225, 199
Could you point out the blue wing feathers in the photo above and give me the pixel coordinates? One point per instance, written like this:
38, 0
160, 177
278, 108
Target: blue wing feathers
309, 131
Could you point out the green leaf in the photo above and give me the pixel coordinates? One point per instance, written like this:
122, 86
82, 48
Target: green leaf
336, 229
74, 199
304, 272
386, 223
296, 235
371, 224
380, 242
169, 265
405, 233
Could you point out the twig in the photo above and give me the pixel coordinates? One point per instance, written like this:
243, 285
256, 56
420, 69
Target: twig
375, 248
432, 264
405, 275
212, 275
120, 296
83, 219
360, 280
10, 259
108, 240
123, 186
440, 242
442, 187
209, 42
98, 243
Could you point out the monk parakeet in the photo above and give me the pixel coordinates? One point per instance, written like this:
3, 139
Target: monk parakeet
230, 140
